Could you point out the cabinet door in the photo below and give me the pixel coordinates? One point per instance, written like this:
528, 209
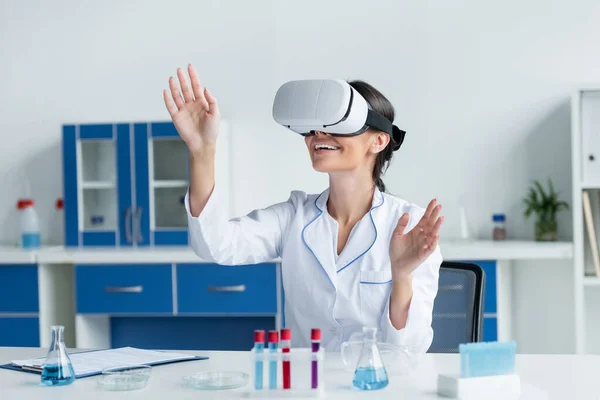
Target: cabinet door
97, 184
162, 176
590, 140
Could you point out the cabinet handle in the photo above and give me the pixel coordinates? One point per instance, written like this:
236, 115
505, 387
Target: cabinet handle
124, 289
591, 157
138, 224
128, 225
238, 288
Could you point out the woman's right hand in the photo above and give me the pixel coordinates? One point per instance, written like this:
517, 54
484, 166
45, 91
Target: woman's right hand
195, 114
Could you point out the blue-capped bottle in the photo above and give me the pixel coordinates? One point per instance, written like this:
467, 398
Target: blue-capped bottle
58, 370
499, 232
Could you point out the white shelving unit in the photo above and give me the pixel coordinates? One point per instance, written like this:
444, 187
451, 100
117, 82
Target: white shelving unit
585, 147
96, 175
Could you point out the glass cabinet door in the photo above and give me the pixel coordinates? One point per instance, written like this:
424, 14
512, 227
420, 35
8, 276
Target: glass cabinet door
93, 184
162, 176
97, 177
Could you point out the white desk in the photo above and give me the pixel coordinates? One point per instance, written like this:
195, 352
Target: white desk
56, 287
572, 377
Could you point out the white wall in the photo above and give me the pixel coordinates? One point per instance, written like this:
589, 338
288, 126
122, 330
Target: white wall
481, 88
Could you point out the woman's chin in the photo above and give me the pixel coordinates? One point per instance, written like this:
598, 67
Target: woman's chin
326, 166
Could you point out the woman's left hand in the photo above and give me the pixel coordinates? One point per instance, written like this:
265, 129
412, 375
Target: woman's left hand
409, 250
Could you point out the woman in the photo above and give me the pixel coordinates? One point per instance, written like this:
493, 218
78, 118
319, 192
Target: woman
351, 256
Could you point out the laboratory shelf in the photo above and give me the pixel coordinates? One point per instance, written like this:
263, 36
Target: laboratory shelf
591, 281
98, 185
169, 184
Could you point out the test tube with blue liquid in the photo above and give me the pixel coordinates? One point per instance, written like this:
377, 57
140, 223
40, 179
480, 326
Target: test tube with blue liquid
273, 345
259, 345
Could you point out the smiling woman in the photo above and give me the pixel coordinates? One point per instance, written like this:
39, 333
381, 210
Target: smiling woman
353, 255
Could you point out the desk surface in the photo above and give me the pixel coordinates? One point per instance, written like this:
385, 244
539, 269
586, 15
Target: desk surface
451, 250
570, 377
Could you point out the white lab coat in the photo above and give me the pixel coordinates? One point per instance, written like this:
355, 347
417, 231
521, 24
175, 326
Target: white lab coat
339, 295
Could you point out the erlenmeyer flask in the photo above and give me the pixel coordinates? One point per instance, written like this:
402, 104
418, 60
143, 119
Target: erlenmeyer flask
370, 373
58, 369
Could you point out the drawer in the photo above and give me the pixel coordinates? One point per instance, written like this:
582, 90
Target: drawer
130, 289
20, 332
19, 288
212, 288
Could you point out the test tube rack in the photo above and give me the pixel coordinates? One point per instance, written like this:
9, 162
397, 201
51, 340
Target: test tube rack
303, 362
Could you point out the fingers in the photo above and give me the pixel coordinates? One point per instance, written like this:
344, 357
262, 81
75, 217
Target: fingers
171, 107
402, 224
430, 208
213, 108
176, 94
185, 87
196, 87
427, 214
434, 215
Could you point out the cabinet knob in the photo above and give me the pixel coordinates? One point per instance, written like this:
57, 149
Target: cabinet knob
591, 157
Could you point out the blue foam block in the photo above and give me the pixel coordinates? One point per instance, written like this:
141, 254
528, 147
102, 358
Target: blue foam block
487, 358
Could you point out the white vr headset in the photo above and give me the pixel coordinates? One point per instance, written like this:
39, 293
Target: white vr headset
332, 106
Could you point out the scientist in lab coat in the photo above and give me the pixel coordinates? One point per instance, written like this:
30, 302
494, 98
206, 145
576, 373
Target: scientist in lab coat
352, 256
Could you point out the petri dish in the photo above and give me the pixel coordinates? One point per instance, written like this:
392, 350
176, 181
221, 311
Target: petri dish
218, 380
129, 377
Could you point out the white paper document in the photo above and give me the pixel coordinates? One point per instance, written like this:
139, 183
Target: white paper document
90, 362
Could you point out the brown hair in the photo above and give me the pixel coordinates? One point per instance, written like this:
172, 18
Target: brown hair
381, 105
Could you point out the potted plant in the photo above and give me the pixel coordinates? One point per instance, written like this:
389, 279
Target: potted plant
545, 206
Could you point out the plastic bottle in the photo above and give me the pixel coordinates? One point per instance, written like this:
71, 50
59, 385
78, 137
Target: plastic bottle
499, 232
57, 370
31, 237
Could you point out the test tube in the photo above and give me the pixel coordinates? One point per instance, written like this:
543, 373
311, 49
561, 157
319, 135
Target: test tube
286, 338
259, 345
315, 337
273, 342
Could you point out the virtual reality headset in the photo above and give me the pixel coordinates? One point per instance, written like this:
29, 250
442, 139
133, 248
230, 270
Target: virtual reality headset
332, 106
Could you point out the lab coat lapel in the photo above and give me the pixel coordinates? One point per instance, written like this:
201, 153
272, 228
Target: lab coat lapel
317, 236
362, 238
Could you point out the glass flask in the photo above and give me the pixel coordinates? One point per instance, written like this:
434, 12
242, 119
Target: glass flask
57, 370
370, 373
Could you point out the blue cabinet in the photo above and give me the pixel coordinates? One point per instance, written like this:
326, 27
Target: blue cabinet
124, 184
19, 307
179, 306
124, 289
215, 289
490, 323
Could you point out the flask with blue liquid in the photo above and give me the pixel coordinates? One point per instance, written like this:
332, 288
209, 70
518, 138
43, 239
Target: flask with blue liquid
370, 373
58, 370
30, 226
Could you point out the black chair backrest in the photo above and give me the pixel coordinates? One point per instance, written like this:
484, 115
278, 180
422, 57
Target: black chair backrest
458, 307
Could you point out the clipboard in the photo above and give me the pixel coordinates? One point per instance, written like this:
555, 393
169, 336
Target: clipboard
154, 357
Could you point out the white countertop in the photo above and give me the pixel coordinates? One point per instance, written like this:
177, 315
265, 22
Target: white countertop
457, 250
572, 377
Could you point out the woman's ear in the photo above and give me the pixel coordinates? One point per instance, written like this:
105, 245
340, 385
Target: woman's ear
380, 141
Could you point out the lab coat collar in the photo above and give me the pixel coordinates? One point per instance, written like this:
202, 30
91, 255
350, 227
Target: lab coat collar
321, 202
317, 233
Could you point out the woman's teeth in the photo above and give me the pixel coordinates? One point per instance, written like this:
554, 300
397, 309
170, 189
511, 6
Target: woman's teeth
325, 147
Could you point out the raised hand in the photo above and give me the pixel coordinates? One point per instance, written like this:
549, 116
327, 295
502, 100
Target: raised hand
409, 250
195, 113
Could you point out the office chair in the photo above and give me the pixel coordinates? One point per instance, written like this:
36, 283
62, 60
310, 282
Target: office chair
458, 307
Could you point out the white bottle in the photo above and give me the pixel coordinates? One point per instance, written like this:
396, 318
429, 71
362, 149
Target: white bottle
30, 227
